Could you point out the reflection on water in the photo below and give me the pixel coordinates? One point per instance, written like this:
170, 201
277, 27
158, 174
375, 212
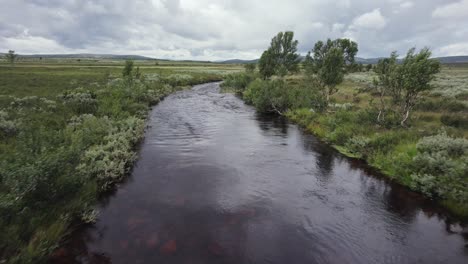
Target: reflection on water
218, 183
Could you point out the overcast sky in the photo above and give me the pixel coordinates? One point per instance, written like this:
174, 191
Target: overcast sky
225, 29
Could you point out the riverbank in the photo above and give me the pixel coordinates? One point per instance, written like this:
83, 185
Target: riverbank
395, 162
428, 157
217, 182
70, 140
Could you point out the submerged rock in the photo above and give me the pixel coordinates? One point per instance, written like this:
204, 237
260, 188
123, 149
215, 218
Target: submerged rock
169, 247
152, 242
123, 244
216, 249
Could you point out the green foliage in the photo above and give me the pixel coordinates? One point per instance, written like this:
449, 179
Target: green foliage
7, 127
110, 160
359, 146
259, 93
330, 73
80, 101
441, 167
11, 57
267, 64
441, 105
455, 120
250, 68
281, 57
127, 71
329, 63
434, 165
408, 80
275, 96
238, 81
61, 146
321, 49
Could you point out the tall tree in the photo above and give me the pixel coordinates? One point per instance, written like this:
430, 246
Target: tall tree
385, 70
127, 71
11, 56
405, 82
267, 64
281, 57
413, 77
328, 62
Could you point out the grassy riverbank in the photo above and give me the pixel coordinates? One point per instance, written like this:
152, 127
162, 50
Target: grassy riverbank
428, 156
68, 133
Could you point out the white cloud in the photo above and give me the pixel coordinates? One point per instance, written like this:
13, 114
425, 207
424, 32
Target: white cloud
371, 20
215, 30
454, 10
406, 5
337, 27
456, 49
31, 44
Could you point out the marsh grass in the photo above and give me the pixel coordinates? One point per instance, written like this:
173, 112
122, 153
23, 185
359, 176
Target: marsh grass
67, 134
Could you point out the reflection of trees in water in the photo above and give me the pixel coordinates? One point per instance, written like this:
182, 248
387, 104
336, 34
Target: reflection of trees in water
277, 125
398, 199
324, 155
77, 251
325, 161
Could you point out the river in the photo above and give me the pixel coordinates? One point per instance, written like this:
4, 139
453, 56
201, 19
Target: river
215, 182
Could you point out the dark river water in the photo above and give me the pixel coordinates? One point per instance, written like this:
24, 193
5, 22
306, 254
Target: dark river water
216, 182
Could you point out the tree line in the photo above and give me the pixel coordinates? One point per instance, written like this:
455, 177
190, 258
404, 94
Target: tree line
328, 61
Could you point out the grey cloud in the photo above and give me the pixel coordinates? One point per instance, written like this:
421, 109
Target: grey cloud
214, 29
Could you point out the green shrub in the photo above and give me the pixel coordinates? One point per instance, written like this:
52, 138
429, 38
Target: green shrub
359, 146
8, 127
453, 147
440, 167
109, 162
441, 104
80, 101
342, 133
384, 142
25, 105
455, 120
238, 81
260, 94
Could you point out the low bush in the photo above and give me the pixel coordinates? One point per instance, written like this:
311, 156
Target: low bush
8, 127
238, 81
441, 104
80, 101
359, 146
440, 167
109, 161
57, 156
455, 120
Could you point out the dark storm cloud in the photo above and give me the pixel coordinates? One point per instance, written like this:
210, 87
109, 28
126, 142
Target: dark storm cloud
218, 29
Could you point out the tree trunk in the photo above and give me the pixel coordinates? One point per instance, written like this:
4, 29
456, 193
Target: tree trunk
405, 116
381, 116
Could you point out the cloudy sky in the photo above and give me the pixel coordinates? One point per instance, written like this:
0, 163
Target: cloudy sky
224, 29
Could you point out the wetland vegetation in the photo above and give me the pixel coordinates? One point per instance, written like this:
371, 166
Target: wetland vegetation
405, 117
68, 133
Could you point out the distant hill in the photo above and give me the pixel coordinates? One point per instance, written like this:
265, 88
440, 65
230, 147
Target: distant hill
88, 56
367, 61
237, 61
444, 60
453, 59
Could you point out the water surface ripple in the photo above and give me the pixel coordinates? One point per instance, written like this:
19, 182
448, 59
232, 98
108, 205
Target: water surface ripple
217, 183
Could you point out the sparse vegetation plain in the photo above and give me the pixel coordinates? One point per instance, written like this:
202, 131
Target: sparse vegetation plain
68, 133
